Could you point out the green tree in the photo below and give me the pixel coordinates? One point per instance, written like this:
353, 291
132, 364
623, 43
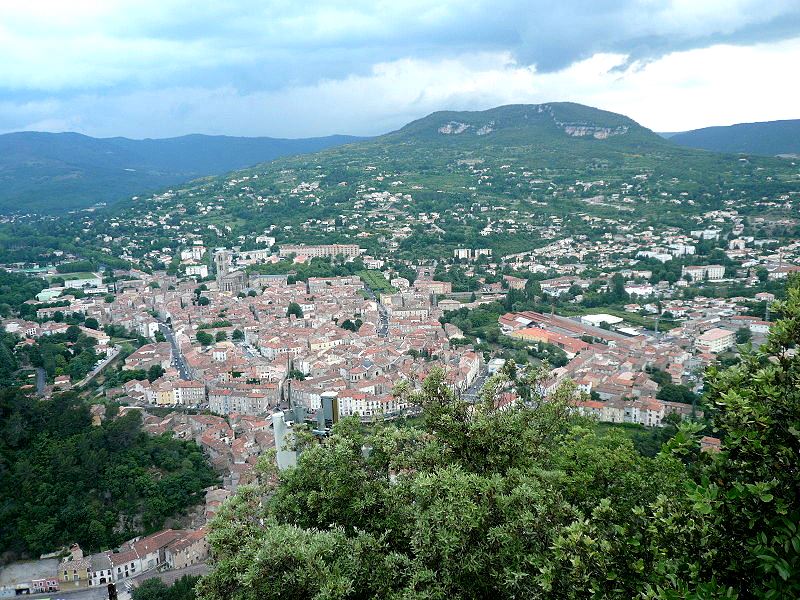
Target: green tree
155, 589
294, 309
65, 480
743, 335
237, 335
154, 372
91, 323
205, 338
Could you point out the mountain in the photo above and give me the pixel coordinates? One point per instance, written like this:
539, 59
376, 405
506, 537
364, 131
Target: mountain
768, 138
557, 123
52, 172
504, 179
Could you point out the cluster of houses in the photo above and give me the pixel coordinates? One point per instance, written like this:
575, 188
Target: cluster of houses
167, 549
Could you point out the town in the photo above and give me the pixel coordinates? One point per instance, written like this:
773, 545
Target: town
227, 355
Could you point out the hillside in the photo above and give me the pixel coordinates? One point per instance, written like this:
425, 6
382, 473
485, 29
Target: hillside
52, 172
505, 179
769, 138
495, 178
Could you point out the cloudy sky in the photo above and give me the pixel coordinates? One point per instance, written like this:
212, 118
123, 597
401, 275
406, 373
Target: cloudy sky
289, 68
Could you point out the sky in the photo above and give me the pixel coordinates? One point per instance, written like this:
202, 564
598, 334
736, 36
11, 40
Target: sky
289, 68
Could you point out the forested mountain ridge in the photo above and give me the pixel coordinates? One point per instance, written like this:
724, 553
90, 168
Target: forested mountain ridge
768, 138
55, 172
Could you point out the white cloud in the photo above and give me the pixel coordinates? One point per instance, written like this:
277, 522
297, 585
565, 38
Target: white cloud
682, 90
720, 85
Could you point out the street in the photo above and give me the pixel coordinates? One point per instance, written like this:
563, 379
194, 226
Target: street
103, 364
383, 328
40, 381
92, 593
177, 357
471, 394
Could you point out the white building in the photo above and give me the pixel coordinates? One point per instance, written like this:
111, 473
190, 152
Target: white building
715, 340
197, 270
704, 272
598, 320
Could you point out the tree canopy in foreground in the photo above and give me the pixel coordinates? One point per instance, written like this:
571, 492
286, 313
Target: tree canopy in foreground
532, 502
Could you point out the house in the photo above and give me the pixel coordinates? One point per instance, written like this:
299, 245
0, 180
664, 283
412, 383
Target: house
151, 549
44, 585
703, 272
74, 571
125, 564
189, 549
715, 340
102, 571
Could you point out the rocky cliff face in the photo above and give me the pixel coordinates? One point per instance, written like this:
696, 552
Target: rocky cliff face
539, 112
599, 133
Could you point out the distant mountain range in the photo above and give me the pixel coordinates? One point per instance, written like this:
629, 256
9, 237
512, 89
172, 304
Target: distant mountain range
56, 172
768, 138
490, 179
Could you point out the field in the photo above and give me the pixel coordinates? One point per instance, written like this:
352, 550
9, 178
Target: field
74, 276
376, 281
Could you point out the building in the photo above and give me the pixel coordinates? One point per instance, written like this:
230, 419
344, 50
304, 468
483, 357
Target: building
598, 320
715, 340
233, 282
149, 355
102, 571
187, 550
571, 346
255, 400
197, 270
152, 548
125, 564
703, 273
75, 570
471, 253
322, 250
82, 281
431, 286
44, 585
189, 393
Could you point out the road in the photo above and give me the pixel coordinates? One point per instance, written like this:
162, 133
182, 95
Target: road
92, 593
103, 364
40, 381
383, 327
178, 360
471, 394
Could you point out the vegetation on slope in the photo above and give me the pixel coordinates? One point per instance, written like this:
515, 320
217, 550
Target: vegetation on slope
63, 480
768, 138
56, 172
